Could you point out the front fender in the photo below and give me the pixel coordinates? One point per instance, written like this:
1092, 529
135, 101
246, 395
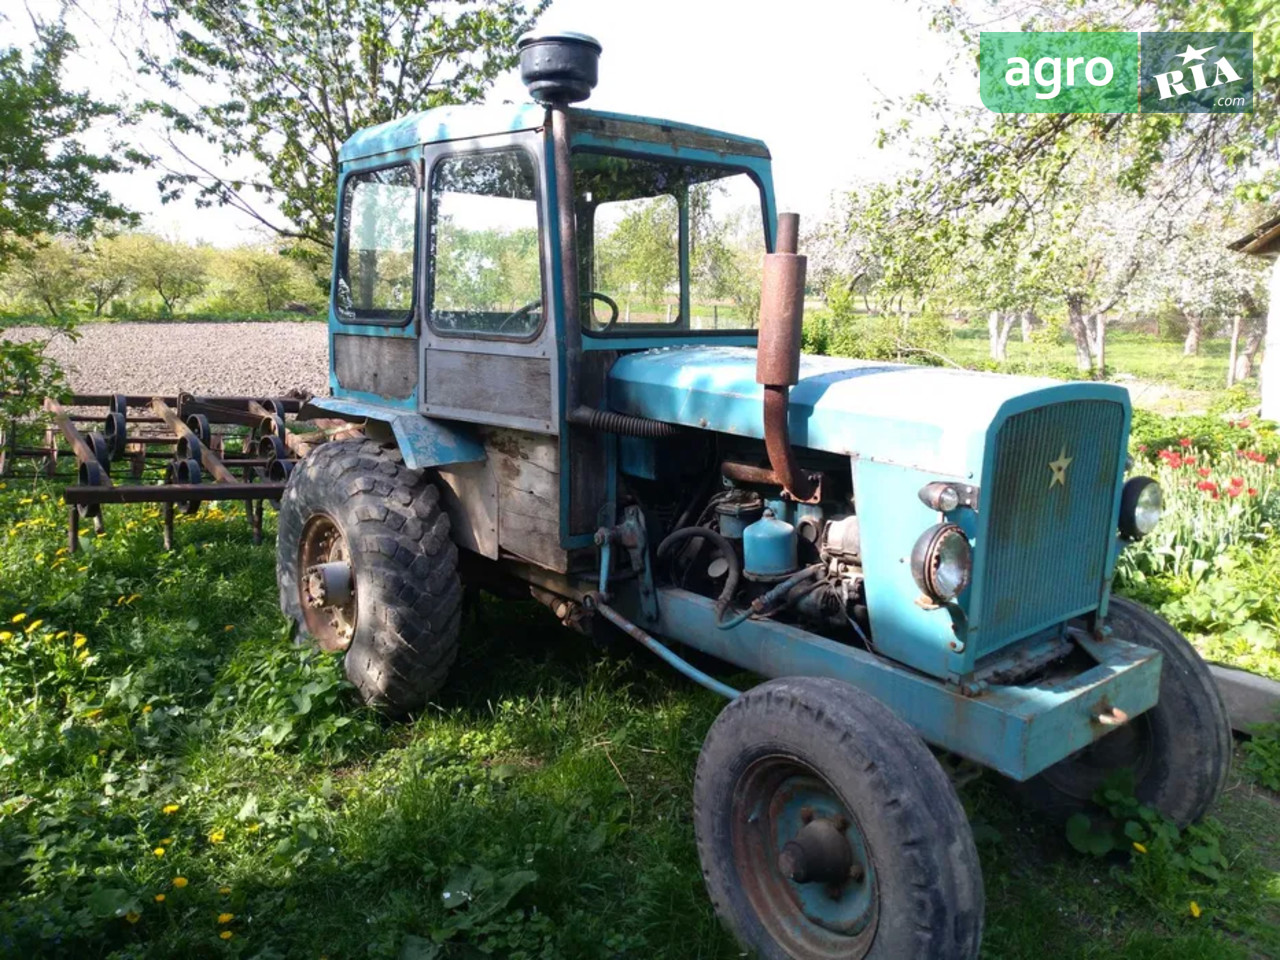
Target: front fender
423, 442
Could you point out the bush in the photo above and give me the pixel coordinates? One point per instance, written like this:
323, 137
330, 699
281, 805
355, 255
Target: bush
847, 332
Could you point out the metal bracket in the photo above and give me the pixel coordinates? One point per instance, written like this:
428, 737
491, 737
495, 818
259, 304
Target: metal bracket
631, 535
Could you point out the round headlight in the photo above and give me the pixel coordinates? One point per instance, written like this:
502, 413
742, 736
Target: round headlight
1141, 504
942, 562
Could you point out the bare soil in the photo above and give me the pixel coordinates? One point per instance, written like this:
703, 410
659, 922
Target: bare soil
264, 359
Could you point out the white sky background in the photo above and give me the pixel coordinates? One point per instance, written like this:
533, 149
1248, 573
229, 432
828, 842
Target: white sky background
805, 77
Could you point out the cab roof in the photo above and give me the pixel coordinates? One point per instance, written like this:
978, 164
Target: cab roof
441, 124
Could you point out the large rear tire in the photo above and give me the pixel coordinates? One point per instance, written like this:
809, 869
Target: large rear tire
826, 829
1179, 751
365, 565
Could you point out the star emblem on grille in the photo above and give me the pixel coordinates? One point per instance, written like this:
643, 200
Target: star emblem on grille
1059, 469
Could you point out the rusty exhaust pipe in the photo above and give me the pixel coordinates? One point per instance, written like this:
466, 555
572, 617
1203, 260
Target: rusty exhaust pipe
778, 353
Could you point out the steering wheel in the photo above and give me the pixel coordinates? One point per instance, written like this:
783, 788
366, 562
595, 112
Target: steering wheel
589, 296
518, 315
608, 301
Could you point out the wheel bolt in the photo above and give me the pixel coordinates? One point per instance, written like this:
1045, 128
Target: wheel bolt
806, 814
857, 873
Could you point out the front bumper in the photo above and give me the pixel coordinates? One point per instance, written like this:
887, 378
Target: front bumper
1016, 730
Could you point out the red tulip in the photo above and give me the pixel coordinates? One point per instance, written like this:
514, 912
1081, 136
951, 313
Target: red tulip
1185, 441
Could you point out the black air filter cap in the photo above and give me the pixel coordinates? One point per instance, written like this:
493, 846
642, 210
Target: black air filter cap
559, 68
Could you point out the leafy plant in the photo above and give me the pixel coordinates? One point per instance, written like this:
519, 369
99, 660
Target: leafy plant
1262, 756
1167, 866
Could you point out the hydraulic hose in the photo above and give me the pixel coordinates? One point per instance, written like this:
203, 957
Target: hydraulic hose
763, 603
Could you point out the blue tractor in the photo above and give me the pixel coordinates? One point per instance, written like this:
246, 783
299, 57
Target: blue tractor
538, 318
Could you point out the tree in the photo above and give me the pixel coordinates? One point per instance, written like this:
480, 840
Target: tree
106, 270
175, 272
1019, 167
642, 252
295, 78
48, 179
261, 277
46, 271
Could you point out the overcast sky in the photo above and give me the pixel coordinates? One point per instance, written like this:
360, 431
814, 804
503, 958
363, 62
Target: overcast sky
804, 76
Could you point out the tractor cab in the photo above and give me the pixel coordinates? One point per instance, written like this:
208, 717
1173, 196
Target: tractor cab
449, 284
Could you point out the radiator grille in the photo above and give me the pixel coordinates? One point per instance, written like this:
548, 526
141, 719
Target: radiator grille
1047, 540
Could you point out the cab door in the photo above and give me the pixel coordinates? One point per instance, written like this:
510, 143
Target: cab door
373, 312
488, 350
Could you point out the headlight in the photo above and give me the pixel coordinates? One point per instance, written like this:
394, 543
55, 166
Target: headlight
942, 562
1141, 504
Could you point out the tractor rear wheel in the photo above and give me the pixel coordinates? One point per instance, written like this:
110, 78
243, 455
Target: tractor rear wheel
365, 565
826, 829
1179, 751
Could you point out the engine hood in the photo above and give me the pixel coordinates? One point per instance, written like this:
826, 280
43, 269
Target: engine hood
931, 418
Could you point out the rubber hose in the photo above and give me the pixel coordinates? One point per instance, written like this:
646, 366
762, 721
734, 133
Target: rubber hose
722, 544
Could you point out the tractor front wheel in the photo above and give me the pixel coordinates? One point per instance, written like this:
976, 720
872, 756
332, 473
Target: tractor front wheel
827, 829
365, 565
1178, 752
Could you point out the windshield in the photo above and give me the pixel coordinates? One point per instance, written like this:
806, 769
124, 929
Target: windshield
667, 246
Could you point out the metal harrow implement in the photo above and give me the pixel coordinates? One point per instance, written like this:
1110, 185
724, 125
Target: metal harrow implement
209, 448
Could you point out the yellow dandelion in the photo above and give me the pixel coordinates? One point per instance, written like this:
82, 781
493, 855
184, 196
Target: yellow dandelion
147, 708
1139, 847
18, 618
226, 917
167, 841
158, 851
226, 935
159, 898
5, 636
254, 827
82, 569
170, 808
133, 916
79, 640
228, 628
1195, 909
34, 625
61, 551
217, 836
61, 635
25, 501
225, 891
180, 882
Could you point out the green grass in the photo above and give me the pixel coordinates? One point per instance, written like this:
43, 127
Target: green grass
547, 790
1139, 355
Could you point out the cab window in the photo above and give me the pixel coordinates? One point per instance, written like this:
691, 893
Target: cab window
486, 268
377, 236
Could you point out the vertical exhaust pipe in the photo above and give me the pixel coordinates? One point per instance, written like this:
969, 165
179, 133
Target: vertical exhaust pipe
778, 353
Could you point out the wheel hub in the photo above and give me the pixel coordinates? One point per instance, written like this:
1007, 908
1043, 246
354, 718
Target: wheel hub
806, 867
327, 585
819, 853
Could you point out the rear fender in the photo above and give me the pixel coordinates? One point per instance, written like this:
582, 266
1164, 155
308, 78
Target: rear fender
423, 442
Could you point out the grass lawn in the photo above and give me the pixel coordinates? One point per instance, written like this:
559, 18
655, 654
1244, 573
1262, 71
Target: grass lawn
1139, 355
172, 770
